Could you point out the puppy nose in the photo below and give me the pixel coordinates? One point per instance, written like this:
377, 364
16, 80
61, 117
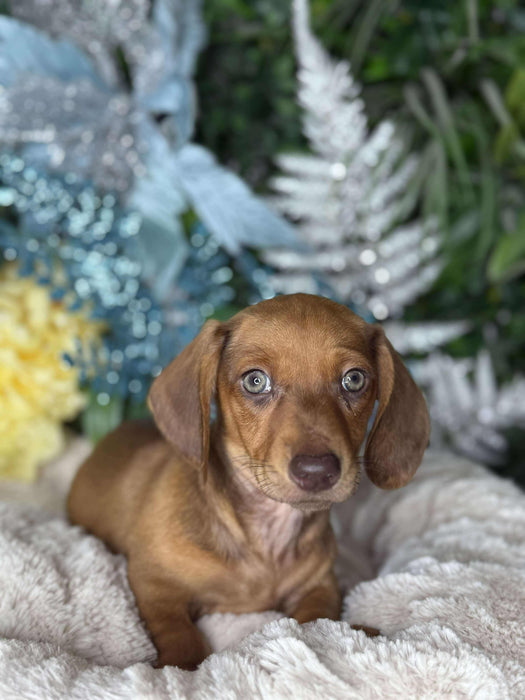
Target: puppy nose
315, 472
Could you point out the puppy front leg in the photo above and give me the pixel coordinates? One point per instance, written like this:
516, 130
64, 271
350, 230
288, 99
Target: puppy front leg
324, 600
179, 642
164, 608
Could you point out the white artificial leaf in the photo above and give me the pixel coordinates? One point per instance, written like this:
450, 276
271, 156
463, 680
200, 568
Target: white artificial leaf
349, 198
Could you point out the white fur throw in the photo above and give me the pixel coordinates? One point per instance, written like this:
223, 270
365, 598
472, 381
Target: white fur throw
448, 596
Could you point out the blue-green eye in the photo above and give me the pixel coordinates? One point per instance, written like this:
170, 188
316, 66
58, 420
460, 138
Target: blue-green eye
256, 382
353, 380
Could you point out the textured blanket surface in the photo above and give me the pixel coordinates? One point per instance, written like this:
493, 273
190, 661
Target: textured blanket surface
446, 561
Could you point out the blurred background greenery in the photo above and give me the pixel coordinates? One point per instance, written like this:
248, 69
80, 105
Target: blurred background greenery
454, 74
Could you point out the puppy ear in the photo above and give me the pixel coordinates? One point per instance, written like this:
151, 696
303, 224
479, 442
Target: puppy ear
180, 396
401, 429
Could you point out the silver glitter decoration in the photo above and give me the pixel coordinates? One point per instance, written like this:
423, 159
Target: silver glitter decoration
79, 113
350, 199
105, 149
54, 104
467, 408
99, 28
169, 43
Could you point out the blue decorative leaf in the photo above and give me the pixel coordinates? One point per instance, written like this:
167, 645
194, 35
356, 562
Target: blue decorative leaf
162, 79
163, 251
181, 31
226, 205
160, 204
174, 100
27, 50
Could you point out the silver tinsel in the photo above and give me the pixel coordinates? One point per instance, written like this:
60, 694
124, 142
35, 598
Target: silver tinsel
350, 200
467, 407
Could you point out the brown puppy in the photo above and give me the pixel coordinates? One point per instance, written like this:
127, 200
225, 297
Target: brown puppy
235, 517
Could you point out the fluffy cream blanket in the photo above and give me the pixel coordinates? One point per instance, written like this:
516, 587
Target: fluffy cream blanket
446, 557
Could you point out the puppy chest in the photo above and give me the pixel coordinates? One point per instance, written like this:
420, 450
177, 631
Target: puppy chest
256, 577
248, 587
255, 584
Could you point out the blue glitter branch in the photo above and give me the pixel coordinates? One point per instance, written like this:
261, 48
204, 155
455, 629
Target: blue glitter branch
84, 246
81, 244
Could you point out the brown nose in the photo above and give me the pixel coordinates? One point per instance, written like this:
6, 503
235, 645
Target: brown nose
315, 472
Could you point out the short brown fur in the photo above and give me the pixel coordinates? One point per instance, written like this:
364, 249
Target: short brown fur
209, 518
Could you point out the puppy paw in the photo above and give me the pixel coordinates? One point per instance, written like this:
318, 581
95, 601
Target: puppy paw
168, 659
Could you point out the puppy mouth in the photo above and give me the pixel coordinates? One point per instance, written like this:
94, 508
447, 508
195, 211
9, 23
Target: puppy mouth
307, 501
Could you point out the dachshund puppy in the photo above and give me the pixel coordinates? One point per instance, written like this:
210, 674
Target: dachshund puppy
234, 517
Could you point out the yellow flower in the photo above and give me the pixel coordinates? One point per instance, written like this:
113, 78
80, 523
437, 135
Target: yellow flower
38, 388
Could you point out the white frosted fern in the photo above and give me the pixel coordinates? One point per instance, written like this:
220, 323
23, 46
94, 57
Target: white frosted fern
349, 198
468, 409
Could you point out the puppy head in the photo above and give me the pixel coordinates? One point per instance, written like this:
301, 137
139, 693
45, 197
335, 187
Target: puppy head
296, 379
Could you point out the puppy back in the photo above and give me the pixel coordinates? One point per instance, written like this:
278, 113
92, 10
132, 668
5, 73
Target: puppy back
111, 485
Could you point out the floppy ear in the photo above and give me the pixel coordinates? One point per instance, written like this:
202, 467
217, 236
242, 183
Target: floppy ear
180, 396
401, 429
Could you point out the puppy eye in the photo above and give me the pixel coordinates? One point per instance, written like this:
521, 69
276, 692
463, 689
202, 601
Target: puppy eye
256, 382
353, 380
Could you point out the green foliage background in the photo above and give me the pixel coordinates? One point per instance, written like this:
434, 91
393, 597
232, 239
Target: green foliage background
453, 71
